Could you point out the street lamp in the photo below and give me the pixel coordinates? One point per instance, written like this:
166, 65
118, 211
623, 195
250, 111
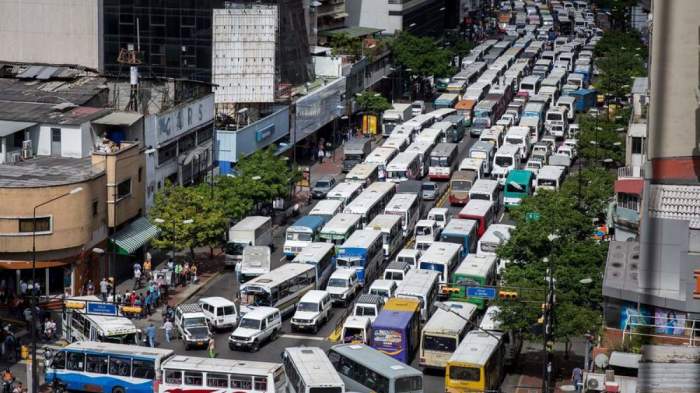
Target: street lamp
444, 307
35, 378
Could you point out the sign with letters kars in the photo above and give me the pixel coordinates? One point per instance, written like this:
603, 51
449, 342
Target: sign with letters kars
184, 118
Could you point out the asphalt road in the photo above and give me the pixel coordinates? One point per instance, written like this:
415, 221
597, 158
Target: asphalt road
226, 285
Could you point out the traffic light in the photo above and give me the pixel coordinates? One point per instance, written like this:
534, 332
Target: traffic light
74, 305
508, 295
450, 290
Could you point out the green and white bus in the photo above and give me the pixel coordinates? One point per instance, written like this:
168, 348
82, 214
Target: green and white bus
476, 270
339, 228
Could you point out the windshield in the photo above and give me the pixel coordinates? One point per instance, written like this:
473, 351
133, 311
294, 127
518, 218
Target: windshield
396, 174
338, 282
514, 141
409, 385
428, 187
189, 322
424, 230
489, 248
453, 238
438, 267
365, 311
249, 323
482, 113
554, 116
461, 185
329, 389
546, 183
439, 161
353, 157
348, 262
504, 161
354, 335
254, 296
234, 248
527, 86
322, 184
408, 260
396, 276
380, 292
437, 343
515, 187
477, 154
307, 306
465, 373
301, 236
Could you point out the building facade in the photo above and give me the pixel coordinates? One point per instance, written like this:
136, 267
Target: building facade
419, 17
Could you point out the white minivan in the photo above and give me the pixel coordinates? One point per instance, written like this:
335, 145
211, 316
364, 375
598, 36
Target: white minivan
343, 285
312, 311
505, 159
220, 312
256, 327
520, 136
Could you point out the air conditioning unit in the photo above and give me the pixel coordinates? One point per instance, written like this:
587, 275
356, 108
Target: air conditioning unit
27, 151
595, 382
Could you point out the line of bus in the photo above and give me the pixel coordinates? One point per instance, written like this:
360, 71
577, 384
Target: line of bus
421, 285
371, 201
363, 252
408, 207
443, 332
281, 288
441, 257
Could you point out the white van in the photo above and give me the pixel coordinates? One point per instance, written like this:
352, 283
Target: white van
256, 327
427, 232
343, 286
396, 270
505, 159
493, 135
312, 311
220, 312
368, 305
473, 165
550, 177
383, 288
356, 330
556, 121
569, 103
520, 136
409, 255
487, 190
440, 215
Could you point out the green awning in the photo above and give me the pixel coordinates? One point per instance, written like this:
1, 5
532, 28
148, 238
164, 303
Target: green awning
133, 236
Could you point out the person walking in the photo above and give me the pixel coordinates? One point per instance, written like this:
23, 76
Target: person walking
104, 289
212, 346
178, 271
577, 379
151, 334
168, 327
193, 272
137, 276
147, 268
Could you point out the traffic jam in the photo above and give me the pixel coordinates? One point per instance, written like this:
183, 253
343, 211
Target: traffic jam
398, 252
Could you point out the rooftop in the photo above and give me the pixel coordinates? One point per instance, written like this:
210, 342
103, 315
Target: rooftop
47, 172
640, 86
676, 203
352, 32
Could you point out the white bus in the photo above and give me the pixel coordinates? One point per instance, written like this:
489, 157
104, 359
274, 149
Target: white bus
363, 173
319, 255
363, 253
443, 332
281, 288
550, 177
487, 190
512, 340
309, 371
421, 285
381, 156
443, 160
397, 141
408, 207
392, 236
371, 201
442, 113
441, 257
327, 208
364, 369
495, 236
339, 228
507, 157
345, 192
189, 374
78, 325
421, 121
405, 166
430, 135
423, 148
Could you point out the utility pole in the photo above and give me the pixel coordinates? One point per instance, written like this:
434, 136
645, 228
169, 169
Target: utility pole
548, 359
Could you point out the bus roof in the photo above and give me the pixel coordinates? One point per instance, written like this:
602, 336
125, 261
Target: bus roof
391, 319
313, 366
440, 252
380, 155
417, 282
475, 349
376, 361
229, 366
443, 149
326, 207
519, 176
495, 232
312, 222
400, 202
446, 322
400, 304
361, 170
384, 222
476, 265
419, 146
362, 238
313, 252
402, 160
507, 150
489, 321
476, 207
481, 146
467, 104
550, 172
119, 349
459, 225
278, 275
340, 223
251, 223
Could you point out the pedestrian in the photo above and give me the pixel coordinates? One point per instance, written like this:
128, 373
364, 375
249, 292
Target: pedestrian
147, 268
147, 302
3, 291
90, 288
137, 276
321, 153
170, 264
178, 270
577, 379
151, 334
186, 273
7, 379
212, 346
168, 327
104, 289
132, 298
19, 388
10, 345
193, 271
23, 288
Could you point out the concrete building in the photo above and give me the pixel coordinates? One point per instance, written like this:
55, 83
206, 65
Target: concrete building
419, 17
652, 277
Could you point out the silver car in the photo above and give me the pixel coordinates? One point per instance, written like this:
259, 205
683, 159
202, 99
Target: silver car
430, 190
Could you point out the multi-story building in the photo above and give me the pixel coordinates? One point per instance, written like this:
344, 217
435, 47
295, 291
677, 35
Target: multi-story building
419, 17
652, 275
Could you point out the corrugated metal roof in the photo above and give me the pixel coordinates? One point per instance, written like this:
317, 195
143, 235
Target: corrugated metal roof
30, 72
676, 203
119, 119
46, 73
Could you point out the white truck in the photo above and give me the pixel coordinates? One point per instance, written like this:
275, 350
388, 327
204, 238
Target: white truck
395, 116
250, 231
255, 262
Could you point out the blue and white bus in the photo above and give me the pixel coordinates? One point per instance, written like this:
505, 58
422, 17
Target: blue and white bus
300, 234
321, 256
363, 252
106, 367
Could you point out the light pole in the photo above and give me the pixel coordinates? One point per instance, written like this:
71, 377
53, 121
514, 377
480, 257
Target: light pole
35, 378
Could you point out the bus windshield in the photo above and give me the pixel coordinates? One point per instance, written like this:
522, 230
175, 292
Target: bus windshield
453, 238
408, 384
489, 247
465, 373
438, 267
504, 161
301, 236
253, 296
461, 185
514, 187
439, 343
348, 262
439, 161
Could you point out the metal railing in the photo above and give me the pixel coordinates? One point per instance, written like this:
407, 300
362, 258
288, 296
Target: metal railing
630, 172
669, 328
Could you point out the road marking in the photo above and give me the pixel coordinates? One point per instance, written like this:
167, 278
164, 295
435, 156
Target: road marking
500, 219
298, 337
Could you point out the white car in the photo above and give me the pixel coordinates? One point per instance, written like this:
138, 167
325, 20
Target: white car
256, 327
220, 312
343, 285
313, 311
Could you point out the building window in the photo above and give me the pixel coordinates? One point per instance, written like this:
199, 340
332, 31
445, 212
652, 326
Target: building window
186, 143
628, 201
94, 208
43, 224
637, 143
55, 135
140, 173
167, 153
124, 189
204, 135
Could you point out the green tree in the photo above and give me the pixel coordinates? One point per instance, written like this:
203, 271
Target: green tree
596, 186
369, 101
460, 48
267, 176
343, 44
421, 55
620, 58
599, 140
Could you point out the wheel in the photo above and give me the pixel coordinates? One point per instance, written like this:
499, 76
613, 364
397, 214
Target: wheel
231, 347
315, 329
118, 389
275, 335
255, 347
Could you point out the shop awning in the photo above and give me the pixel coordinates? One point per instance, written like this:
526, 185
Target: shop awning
625, 359
133, 236
24, 265
629, 186
125, 119
10, 127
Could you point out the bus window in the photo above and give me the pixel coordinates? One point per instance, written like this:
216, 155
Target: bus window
217, 380
97, 364
76, 361
173, 377
119, 366
143, 369
193, 378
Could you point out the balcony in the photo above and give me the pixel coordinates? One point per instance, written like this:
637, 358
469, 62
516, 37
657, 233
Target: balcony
628, 172
626, 216
330, 9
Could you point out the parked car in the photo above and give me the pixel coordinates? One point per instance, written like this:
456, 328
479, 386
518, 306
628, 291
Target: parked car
322, 186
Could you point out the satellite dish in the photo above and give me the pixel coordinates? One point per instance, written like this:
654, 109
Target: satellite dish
601, 360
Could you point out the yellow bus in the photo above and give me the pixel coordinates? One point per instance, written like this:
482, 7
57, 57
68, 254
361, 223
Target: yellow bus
477, 365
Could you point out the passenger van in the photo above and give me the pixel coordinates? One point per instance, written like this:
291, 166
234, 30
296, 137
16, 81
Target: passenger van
408, 207
487, 190
384, 288
440, 215
529, 86
443, 332
480, 211
405, 166
410, 256
520, 136
356, 330
485, 151
550, 177
309, 370
427, 232
505, 159
396, 270
256, 327
368, 305
496, 235
569, 103
220, 312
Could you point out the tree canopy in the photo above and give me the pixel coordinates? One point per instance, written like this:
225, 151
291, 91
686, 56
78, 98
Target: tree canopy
369, 101
620, 58
421, 55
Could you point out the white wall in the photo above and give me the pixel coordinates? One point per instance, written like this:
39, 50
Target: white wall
71, 141
51, 31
